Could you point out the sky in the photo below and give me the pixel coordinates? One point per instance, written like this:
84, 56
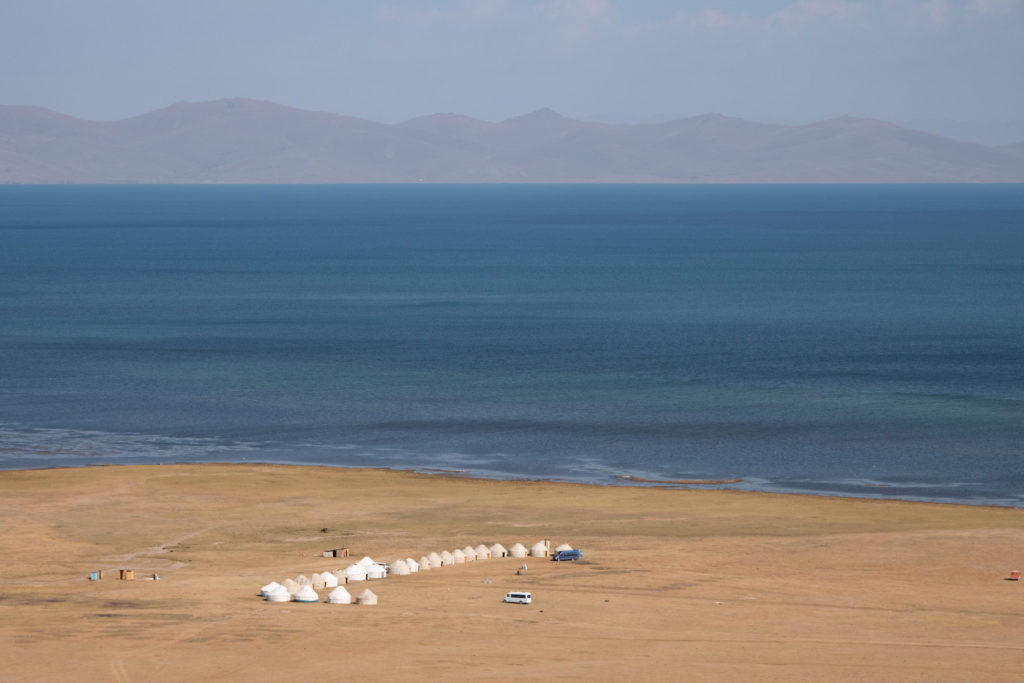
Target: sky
785, 61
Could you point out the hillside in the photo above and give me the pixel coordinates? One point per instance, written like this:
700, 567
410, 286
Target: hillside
246, 141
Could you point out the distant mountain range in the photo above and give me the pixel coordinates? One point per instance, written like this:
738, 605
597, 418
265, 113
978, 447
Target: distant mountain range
247, 141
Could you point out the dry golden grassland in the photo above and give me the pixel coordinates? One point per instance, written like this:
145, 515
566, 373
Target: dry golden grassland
674, 585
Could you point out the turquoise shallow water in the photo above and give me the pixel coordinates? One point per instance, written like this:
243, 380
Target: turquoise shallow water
852, 340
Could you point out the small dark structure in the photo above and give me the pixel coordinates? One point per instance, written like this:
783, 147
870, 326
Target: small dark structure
336, 552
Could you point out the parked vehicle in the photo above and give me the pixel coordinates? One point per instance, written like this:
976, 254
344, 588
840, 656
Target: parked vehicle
518, 597
567, 555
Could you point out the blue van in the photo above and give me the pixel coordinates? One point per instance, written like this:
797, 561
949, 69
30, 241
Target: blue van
566, 555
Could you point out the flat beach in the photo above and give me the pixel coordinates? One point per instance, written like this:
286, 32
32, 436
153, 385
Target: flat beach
692, 584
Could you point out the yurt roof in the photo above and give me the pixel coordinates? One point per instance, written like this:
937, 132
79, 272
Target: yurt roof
269, 587
355, 570
470, 551
279, 594
539, 545
339, 596
399, 568
517, 546
306, 594
457, 554
498, 548
482, 550
330, 580
366, 561
446, 555
564, 546
302, 580
409, 561
376, 572
367, 597
425, 563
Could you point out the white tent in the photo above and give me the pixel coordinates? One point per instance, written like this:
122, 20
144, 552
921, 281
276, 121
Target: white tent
339, 596
434, 560
539, 549
413, 565
482, 552
290, 586
303, 580
330, 580
564, 546
279, 594
366, 562
376, 571
306, 594
339, 574
426, 564
355, 572
458, 557
399, 568
446, 559
318, 582
469, 552
518, 550
367, 597
269, 587
498, 550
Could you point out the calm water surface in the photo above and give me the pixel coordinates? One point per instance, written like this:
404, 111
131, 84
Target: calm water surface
851, 340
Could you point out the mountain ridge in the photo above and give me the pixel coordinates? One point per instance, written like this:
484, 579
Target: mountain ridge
256, 141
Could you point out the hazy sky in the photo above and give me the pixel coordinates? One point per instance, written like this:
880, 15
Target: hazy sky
777, 60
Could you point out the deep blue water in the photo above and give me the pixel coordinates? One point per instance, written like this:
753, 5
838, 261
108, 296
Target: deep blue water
852, 340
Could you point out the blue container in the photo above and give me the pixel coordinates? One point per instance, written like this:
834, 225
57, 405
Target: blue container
95, 576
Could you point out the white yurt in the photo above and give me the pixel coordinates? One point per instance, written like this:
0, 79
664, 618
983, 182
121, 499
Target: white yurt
376, 571
564, 546
518, 550
339, 574
355, 572
446, 559
434, 560
317, 582
339, 596
306, 594
498, 550
366, 562
413, 565
279, 594
399, 568
303, 580
482, 552
367, 597
330, 580
458, 557
290, 586
539, 549
470, 553
425, 563
269, 587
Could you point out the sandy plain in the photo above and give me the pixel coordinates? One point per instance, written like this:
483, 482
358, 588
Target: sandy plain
676, 585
